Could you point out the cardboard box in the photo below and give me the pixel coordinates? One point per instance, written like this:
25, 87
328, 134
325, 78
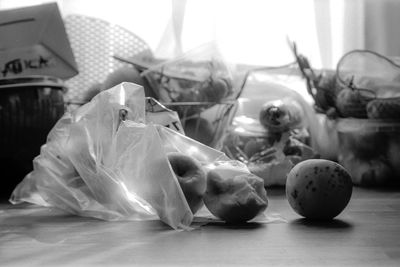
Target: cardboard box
33, 41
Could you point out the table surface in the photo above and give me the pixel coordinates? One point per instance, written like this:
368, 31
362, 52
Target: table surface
367, 233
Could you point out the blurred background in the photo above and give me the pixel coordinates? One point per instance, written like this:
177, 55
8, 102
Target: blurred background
104, 39
251, 32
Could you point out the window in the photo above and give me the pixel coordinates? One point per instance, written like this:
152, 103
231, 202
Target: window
251, 32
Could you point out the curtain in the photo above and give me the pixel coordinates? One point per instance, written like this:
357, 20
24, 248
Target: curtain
382, 31
251, 31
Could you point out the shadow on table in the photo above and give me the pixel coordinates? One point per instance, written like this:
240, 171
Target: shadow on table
236, 226
330, 224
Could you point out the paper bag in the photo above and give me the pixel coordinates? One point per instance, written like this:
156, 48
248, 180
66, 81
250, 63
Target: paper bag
33, 41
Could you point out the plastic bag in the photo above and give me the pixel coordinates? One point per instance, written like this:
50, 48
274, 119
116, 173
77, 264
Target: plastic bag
200, 75
158, 114
369, 150
106, 161
270, 144
199, 86
91, 166
368, 70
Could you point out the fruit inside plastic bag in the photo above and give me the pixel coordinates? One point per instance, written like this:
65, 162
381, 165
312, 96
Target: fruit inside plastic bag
369, 150
109, 160
200, 75
369, 70
199, 86
94, 164
270, 131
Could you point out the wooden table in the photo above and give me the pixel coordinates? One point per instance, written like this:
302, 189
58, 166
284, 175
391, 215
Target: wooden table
367, 233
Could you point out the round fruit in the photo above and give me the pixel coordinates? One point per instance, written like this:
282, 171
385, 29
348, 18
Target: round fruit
191, 178
318, 189
236, 199
274, 117
352, 102
254, 146
216, 91
280, 115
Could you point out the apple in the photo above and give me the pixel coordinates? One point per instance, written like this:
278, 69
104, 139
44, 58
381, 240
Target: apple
235, 199
254, 146
353, 102
215, 91
191, 178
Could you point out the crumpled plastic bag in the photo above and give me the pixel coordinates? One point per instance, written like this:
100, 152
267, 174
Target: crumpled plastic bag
368, 70
199, 85
106, 161
270, 131
199, 75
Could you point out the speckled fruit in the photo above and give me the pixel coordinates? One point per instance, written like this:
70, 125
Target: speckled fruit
318, 189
